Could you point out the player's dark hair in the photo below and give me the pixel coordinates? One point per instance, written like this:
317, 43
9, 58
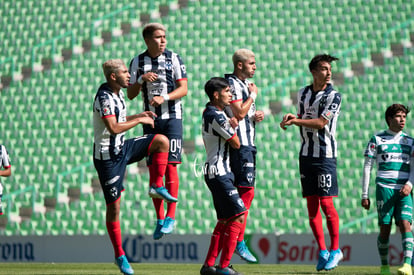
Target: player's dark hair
321, 57
215, 84
394, 109
150, 28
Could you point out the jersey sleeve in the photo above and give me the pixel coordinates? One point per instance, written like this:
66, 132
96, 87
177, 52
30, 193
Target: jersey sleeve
104, 105
333, 107
5, 159
236, 90
179, 68
371, 149
133, 71
222, 127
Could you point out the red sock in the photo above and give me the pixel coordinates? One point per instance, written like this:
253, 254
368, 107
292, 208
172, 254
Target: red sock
229, 236
247, 195
114, 231
332, 221
157, 168
172, 184
159, 208
315, 221
215, 244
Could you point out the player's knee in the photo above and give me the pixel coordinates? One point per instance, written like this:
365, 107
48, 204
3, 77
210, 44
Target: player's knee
161, 143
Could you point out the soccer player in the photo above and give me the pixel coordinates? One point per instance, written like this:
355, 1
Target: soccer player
5, 170
243, 160
393, 152
318, 110
112, 153
161, 76
218, 136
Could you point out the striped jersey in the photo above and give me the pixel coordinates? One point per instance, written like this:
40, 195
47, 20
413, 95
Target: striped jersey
107, 104
4, 158
393, 153
170, 68
327, 103
216, 132
240, 91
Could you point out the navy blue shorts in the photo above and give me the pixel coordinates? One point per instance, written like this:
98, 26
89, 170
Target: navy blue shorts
243, 165
111, 172
318, 177
173, 130
227, 201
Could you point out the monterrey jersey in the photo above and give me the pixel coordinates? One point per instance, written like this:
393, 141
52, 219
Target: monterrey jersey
240, 91
4, 158
107, 104
393, 153
170, 68
216, 132
319, 143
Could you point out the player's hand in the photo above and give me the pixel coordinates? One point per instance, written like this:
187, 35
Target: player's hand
287, 121
405, 190
157, 101
259, 116
253, 88
147, 121
150, 77
366, 203
147, 114
233, 122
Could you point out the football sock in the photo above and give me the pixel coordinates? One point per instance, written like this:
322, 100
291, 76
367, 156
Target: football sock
230, 235
157, 168
315, 221
247, 195
159, 208
407, 244
382, 246
332, 221
172, 184
114, 231
215, 244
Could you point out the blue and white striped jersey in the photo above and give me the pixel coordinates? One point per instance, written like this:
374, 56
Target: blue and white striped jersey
170, 68
216, 132
393, 153
319, 143
4, 159
240, 90
107, 104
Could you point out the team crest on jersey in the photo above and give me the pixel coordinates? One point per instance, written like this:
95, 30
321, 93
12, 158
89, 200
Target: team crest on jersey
168, 65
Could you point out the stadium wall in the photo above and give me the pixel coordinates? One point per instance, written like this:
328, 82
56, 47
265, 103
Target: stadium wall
359, 249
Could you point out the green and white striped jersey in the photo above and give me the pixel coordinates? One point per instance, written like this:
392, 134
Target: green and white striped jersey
393, 153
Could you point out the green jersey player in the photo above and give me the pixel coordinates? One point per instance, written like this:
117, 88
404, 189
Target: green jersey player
393, 152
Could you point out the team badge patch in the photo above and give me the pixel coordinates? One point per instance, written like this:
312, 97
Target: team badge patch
168, 65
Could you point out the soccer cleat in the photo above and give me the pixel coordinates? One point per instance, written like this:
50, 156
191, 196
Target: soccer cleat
208, 270
243, 251
123, 265
168, 225
405, 270
323, 259
227, 271
334, 257
157, 232
161, 193
385, 270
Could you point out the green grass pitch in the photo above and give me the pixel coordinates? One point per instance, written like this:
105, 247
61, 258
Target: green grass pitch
172, 269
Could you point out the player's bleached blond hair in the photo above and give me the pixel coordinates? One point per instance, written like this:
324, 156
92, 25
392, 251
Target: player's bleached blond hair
150, 28
242, 55
112, 66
